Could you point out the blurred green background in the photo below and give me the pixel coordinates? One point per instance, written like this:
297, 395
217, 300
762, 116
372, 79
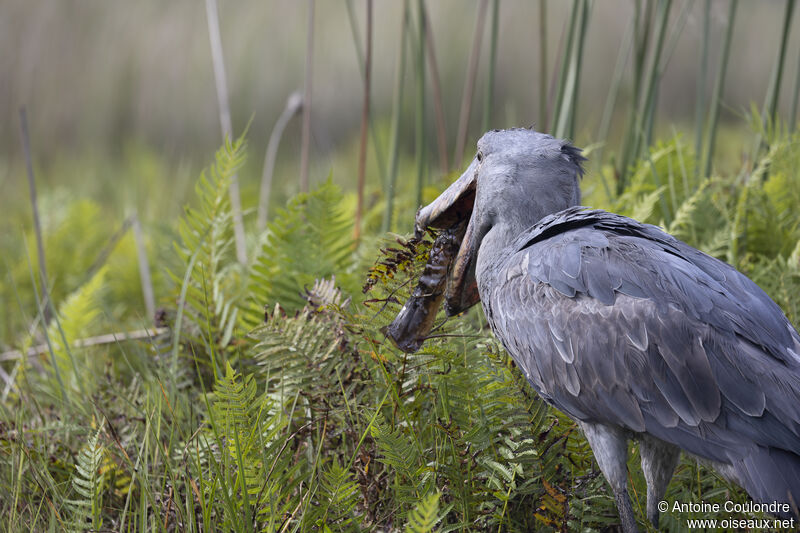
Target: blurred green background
105, 82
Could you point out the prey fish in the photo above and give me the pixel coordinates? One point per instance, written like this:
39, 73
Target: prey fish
414, 322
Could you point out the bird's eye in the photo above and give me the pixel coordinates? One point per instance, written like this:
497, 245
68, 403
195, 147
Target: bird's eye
479, 157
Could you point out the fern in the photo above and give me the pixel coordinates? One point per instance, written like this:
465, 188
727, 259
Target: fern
236, 414
297, 353
212, 279
310, 239
399, 452
252, 475
425, 515
339, 495
87, 482
77, 316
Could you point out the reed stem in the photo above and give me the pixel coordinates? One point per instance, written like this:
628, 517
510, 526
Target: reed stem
469, 87
293, 106
220, 80
793, 113
144, 269
489, 94
362, 153
397, 108
719, 83
543, 75
565, 70
37, 225
613, 95
419, 120
376, 144
700, 95
646, 112
773, 95
436, 86
305, 143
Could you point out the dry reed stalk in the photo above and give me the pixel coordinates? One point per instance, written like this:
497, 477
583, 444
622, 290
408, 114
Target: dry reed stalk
489, 94
293, 105
220, 80
144, 269
37, 226
108, 338
436, 87
469, 89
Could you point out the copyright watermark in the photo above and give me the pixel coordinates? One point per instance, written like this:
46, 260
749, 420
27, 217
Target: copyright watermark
729, 509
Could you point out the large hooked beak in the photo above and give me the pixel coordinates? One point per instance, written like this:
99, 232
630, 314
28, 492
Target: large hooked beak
452, 206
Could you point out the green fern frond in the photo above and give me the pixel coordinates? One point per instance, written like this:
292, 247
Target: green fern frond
297, 352
215, 284
77, 316
87, 482
424, 517
237, 412
339, 495
400, 454
310, 239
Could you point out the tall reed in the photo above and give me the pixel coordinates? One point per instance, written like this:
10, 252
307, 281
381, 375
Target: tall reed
489, 94
223, 104
700, 92
37, 225
469, 84
376, 144
305, 142
362, 152
397, 107
436, 87
419, 111
543, 123
773, 93
716, 97
294, 104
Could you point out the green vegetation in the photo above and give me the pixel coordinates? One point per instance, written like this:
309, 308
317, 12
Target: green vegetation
269, 400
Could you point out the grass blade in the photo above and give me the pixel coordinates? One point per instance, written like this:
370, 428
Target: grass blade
144, 270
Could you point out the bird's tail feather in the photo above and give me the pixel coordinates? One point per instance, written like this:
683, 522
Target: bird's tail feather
771, 475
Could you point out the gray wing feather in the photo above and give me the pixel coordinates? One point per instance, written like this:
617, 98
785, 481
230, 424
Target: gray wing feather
615, 321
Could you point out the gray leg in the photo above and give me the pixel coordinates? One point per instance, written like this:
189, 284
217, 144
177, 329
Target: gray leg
659, 460
610, 447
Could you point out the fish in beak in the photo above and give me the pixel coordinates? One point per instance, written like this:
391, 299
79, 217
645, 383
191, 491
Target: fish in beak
448, 275
451, 207
414, 322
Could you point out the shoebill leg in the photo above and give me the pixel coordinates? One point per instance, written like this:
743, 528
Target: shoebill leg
659, 460
610, 447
